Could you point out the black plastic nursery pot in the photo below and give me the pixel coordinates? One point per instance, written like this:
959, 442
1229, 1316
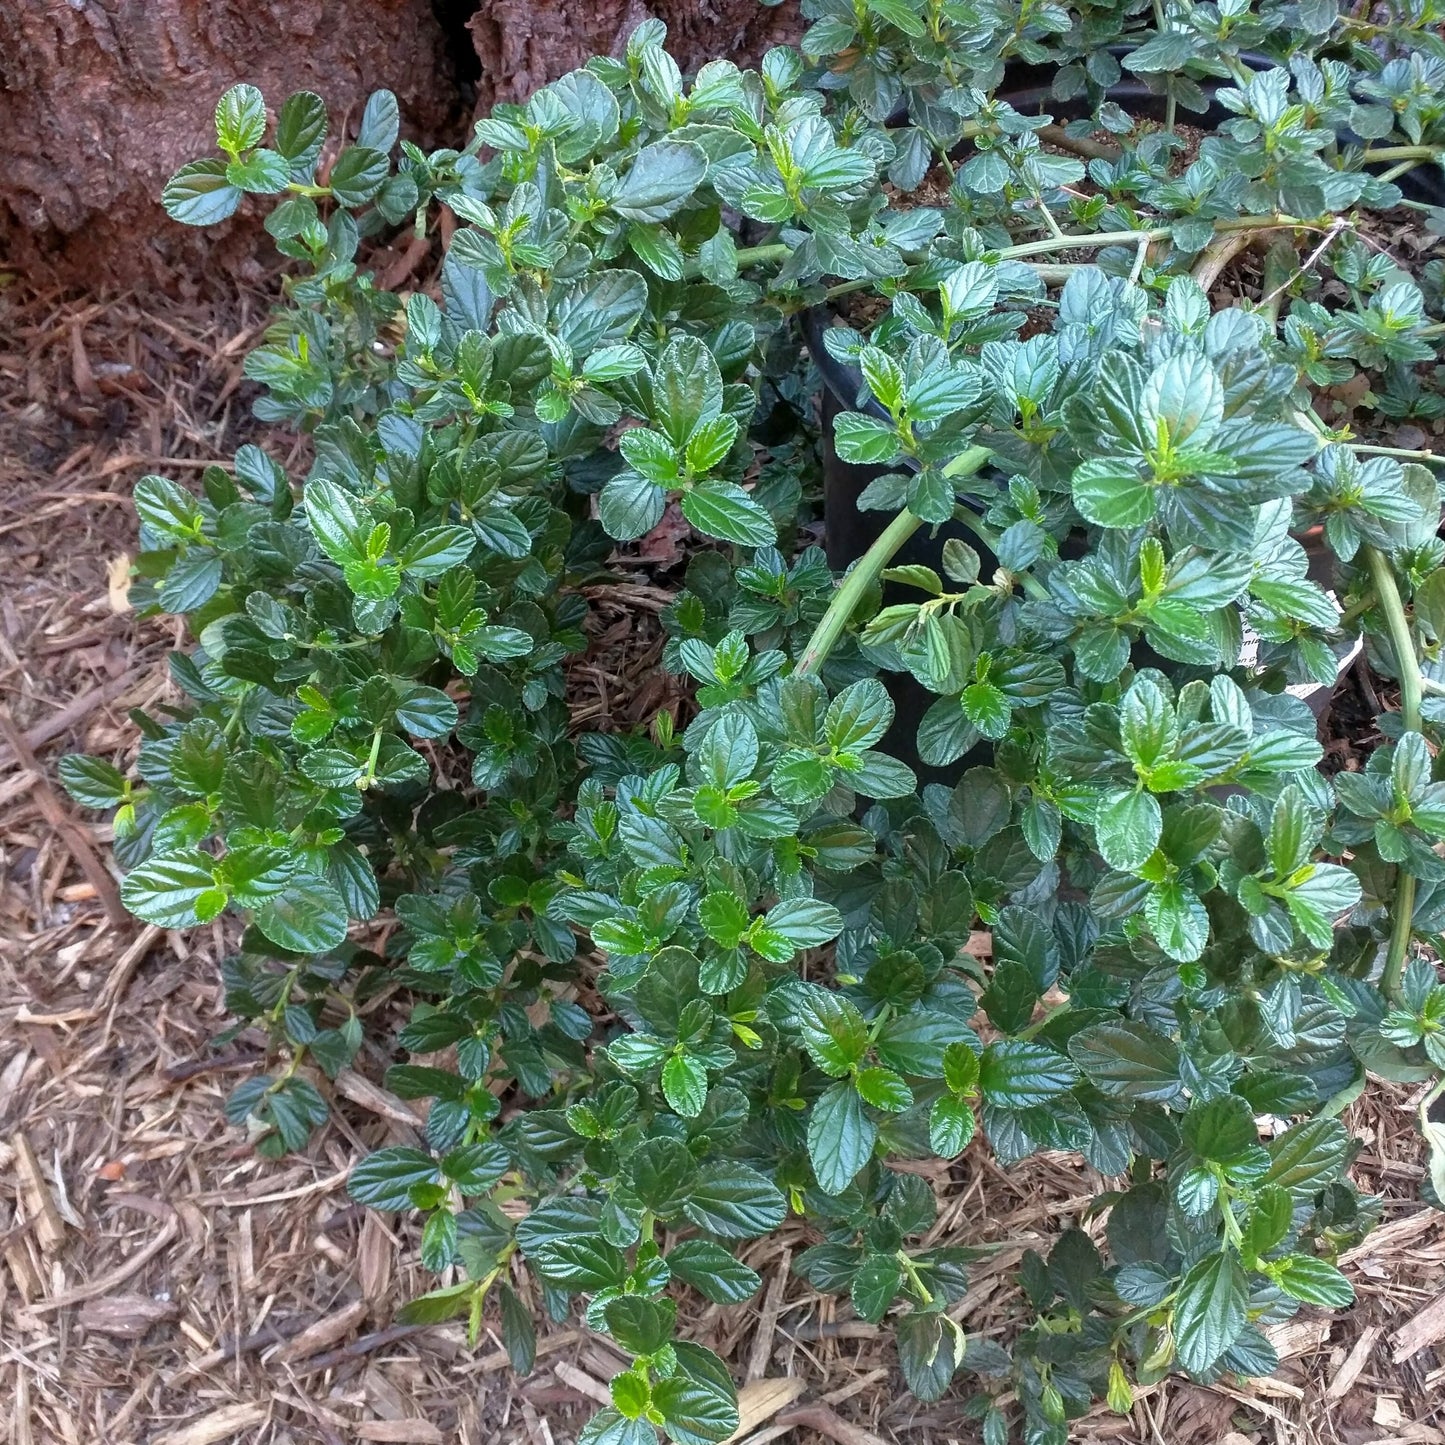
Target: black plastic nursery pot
849, 531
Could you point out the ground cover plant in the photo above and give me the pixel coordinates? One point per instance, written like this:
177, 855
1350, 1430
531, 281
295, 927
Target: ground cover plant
670, 988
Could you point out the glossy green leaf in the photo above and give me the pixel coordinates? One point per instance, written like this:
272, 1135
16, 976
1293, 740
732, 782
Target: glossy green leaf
840, 1137
1210, 1310
662, 177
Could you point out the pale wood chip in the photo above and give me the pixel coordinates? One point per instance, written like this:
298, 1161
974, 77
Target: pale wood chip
1388, 1412
401, 1432
1299, 1336
107, 1282
1354, 1363
128, 1316
854, 1386
222, 1424
1390, 1237
760, 1400
376, 1100
1424, 1329
323, 1334
41, 1214
582, 1382
772, 1308
828, 1422
373, 1258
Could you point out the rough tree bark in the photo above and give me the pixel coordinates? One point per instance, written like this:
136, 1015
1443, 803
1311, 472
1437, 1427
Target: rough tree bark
525, 43
101, 99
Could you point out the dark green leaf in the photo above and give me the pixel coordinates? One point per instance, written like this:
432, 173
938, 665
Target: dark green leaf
167, 889
1128, 1060
309, 917
875, 1286
713, 1272
833, 1031
92, 782
385, 1179
734, 1201
358, 175
1315, 1282
840, 1137
698, 1402
200, 195
1018, 1074
1210, 1310
663, 176
724, 509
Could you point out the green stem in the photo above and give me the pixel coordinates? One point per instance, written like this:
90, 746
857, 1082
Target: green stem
1434, 459
1277, 280
869, 569
1311, 422
1152, 233
370, 776
1402, 153
1356, 609
1046, 1018
1050, 224
1083, 243
1398, 170
989, 538
854, 586
1050, 275
1408, 667
914, 1278
763, 255
780, 250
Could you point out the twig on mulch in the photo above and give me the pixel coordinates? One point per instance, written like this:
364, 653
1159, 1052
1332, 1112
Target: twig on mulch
108, 1281
73, 835
269, 1334
75, 711
827, 1421
377, 1340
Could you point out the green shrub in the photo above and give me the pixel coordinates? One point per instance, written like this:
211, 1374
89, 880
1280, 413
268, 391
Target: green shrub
669, 989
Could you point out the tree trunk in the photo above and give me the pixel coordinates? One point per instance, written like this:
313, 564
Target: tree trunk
100, 100
526, 43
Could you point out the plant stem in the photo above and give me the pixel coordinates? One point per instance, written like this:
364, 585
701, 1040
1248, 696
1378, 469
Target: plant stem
1083, 243
1357, 609
1050, 224
780, 250
1398, 170
761, 255
989, 538
1049, 274
914, 1278
869, 568
1092, 150
1402, 153
1153, 233
1217, 255
1278, 277
1408, 668
846, 599
1049, 1014
1432, 458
